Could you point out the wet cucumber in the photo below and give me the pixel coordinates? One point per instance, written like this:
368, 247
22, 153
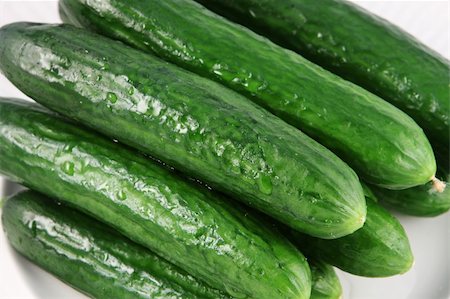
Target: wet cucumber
360, 47
379, 141
380, 248
189, 226
325, 283
389, 63
189, 122
423, 201
90, 256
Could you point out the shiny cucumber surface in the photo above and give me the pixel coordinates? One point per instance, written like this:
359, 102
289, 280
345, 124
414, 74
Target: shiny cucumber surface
384, 145
90, 256
325, 282
379, 249
193, 124
428, 200
189, 226
360, 47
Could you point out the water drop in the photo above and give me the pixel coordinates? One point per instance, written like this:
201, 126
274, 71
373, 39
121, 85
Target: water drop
68, 167
131, 91
265, 184
111, 97
68, 148
121, 195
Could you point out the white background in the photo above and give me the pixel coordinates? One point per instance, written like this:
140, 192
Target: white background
429, 21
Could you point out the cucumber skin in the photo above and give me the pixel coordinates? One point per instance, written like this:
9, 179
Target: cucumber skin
191, 123
373, 47
396, 156
90, 256
38, 227
421, 201
364, 49
379, 249
190, 227
325, 283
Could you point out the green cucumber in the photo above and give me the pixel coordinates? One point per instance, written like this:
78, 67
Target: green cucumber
188, 226
90, 256
189, 122
360, 47
379, 249
325, 283
391, 64
379, 141
423, 201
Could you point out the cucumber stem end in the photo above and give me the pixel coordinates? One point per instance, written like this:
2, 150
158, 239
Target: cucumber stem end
438, 185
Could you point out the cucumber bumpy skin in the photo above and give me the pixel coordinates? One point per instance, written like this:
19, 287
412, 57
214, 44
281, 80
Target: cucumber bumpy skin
379, 249
189, 122
90, 256
360, 47
384, 145
188, 226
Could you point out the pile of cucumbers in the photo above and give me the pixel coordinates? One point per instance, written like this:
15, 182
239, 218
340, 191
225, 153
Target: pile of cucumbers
174, 153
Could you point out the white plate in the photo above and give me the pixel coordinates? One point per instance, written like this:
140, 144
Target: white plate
430, 238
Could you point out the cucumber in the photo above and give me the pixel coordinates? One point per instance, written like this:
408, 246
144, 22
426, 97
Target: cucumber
90, 256
379, 249
188, 226
360, 47
391, 64
325, 283
422, 201
190, 123
385, 146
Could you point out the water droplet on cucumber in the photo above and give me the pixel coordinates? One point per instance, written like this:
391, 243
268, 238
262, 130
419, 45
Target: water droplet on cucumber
121, 195
111, 97
265, 184
68, 168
